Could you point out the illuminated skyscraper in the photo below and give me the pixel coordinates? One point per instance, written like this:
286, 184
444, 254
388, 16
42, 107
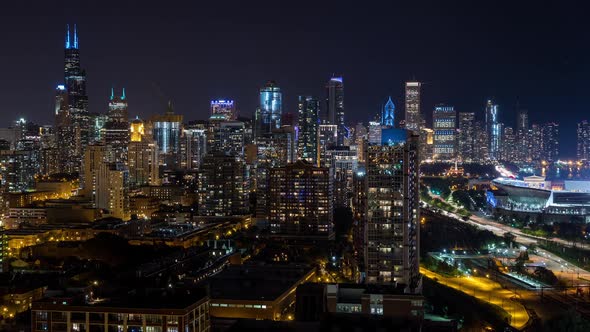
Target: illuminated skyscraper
522, 136
224, 107
327, 139
444, 119
391, 210
550, 141
509, 151
268, 115
493, 130
413, 115
115, 133
75, 85
309, 112
142, 157
388, 114
583, 140
466, 139
335, 107
166, 131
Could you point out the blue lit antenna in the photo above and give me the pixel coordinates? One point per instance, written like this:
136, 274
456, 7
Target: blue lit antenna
75, 37
123, 96
112, 93
67, 36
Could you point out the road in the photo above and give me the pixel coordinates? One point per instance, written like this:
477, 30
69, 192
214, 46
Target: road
488, 291
571, 274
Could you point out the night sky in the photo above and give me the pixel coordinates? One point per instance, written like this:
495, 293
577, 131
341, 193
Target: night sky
535, 53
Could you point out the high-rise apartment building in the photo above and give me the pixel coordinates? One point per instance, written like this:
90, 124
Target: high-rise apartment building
466, 136
522, 136
550, 141
413, 115
309, 117
268, 114
509, 144
583, 146
444, 120
493, 130
335, 107
391, 253
300, 200
222, 185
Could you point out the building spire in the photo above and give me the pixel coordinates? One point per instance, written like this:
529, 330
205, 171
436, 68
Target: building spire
67, 36
123, 96
75, 37
112, 93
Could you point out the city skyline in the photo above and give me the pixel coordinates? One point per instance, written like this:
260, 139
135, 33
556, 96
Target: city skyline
148, 66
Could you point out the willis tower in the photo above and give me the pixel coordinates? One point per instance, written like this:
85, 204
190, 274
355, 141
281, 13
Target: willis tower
74, 122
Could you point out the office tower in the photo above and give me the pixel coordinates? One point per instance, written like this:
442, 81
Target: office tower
224, 107
300, 200
142, 157
97, 126
583, 151
327, 139
268, 114
466, 136
509, 150
444, 119
116, 130
75, 86
166, 130
480, 146
522, 136
374, 133
550, 141
18, 169
360, 140
536, 143
309, 112
413, 115
493, 130
335, 107
426, 144
388, 114
392, 246
222, 185
229, 138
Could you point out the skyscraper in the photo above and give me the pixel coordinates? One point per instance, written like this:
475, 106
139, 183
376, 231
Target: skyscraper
142, 157
413, 115
493, 130
583, 151
550, 141
268, 115
224, 107
309, 111
300, 200
75, 85
466, 139
509, 151
222, 185
335, 107
522, 136
388, 114
115, 133
392, 210
444, 119
166, 130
